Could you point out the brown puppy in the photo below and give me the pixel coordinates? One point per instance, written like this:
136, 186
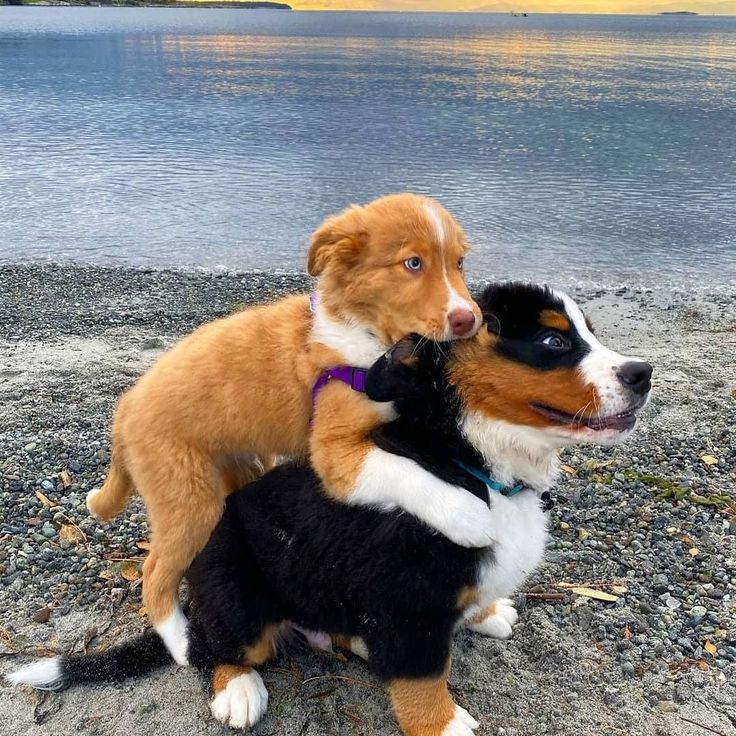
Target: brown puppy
193, 428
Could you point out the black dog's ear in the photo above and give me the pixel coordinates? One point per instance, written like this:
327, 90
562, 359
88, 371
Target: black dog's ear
394, 374
487, 300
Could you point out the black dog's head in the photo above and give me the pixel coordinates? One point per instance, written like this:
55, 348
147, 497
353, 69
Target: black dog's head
533, 380
535, 367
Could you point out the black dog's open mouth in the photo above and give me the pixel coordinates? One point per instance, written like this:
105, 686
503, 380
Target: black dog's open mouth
618, 422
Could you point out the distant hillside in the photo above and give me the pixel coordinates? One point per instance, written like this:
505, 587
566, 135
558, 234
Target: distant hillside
246, 4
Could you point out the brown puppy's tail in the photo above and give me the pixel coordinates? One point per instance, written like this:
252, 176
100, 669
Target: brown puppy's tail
107, 502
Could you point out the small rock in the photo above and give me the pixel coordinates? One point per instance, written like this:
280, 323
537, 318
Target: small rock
42, 616
153, 343
667, 706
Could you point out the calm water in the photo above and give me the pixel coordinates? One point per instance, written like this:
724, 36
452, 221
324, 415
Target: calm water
564, 144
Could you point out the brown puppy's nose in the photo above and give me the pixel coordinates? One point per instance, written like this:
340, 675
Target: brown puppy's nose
462, 321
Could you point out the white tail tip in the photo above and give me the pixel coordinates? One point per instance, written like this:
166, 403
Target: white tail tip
45, 674
90, 501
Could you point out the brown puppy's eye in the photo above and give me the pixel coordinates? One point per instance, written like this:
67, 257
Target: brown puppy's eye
460, 264
414, 263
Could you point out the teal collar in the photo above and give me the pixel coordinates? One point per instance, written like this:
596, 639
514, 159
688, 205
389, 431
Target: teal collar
494, 485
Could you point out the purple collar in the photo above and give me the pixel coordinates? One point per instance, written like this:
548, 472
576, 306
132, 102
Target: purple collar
353, 377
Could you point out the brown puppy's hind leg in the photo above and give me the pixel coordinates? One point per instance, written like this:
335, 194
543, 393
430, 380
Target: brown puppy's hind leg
185, 501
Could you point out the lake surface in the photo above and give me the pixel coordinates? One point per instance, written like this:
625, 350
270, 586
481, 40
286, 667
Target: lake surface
591, 147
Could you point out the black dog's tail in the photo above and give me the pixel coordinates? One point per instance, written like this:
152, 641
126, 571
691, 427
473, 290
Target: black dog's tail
137, 657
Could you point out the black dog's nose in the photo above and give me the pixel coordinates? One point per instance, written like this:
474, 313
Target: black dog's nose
636, 375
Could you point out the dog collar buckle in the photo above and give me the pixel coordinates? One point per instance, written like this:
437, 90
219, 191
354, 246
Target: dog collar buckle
490, 483
353, 377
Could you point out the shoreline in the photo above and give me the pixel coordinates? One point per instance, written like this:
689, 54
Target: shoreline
73, 337
634, 279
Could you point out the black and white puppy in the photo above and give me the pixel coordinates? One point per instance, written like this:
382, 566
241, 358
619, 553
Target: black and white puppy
488, 414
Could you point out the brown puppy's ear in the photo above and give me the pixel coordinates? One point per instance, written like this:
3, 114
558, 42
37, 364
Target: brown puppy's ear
338, 239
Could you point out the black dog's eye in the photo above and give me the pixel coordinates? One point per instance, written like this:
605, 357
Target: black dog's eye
555, 340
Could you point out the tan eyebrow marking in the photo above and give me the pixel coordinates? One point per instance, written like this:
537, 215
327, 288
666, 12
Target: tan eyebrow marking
554, 320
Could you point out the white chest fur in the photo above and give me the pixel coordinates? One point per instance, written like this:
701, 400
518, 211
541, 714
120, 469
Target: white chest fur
520, 534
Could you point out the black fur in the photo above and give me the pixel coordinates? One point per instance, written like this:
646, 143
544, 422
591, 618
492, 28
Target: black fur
512, 311
284, 551
428, 410
130, 659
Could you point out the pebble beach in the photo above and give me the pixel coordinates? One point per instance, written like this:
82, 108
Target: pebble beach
628, 628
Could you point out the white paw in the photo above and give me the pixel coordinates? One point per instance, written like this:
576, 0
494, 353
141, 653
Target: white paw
498, 625
173, 632
462, 724
465, 520
243, 702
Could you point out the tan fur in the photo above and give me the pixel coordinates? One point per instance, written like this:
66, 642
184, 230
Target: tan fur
468, 596
342, 642
554, 320
422, 707
482, 615
340, 440
265, 648
259, 653
224, 673
222, 403
372, 243
501, 388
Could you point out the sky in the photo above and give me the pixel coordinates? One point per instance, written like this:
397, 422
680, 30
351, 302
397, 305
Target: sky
721, 7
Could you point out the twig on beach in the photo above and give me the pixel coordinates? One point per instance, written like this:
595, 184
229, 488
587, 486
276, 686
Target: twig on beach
352, 716
700, 725
611, 584
35, 651
342, 677
547, 596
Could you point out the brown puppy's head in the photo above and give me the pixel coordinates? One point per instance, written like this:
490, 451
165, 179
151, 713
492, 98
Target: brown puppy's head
537, 371
395, 266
